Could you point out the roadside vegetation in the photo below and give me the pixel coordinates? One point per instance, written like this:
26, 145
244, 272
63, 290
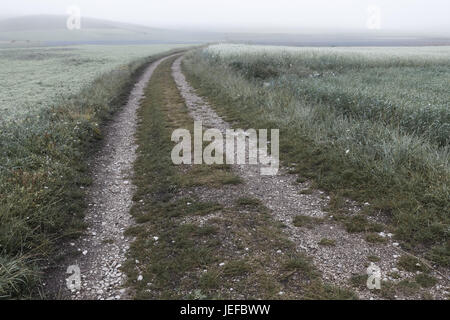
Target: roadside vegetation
191, 248
41, 77
43, 169
368, 124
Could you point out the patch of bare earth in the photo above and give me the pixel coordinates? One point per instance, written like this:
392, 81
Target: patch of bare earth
339, 255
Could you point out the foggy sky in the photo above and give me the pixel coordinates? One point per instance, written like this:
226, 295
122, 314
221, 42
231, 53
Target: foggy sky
254, 15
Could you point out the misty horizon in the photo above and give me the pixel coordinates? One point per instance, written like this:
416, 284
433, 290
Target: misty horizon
404, 17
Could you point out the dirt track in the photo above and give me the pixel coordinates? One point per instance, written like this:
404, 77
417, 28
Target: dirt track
102, 250
282, 195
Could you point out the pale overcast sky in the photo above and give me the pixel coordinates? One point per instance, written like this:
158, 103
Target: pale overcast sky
275, 15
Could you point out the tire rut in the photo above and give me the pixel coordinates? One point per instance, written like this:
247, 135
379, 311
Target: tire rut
101, 250
281, 194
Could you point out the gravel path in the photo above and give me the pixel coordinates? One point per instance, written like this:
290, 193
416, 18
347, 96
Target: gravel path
102, 249
281, 194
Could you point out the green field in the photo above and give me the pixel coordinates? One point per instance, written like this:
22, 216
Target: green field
38, 78
54, 102
370, 124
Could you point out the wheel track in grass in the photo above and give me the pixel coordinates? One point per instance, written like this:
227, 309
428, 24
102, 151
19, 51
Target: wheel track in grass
101, 250
338, 263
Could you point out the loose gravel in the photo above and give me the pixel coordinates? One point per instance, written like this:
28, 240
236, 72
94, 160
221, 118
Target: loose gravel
102, 249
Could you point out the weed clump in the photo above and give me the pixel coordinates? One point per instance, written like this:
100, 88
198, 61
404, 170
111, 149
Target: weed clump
306, 221
425, 280
375, 238
360, 223
411, 264
327, 242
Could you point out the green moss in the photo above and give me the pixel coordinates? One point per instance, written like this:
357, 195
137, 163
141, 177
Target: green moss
327, 242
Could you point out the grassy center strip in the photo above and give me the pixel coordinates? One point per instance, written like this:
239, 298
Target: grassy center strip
185, 248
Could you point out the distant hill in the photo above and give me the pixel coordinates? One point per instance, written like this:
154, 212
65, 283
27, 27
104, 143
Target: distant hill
51, 29
58, 22
2, 16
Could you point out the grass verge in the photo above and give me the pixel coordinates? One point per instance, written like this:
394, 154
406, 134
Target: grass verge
403, 176
43, 174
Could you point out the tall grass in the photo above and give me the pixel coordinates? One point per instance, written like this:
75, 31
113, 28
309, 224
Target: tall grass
409, 92
43, 174
352, 138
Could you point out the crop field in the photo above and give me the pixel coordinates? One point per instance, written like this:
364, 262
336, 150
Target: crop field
367, 124
37, 78
53, 103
